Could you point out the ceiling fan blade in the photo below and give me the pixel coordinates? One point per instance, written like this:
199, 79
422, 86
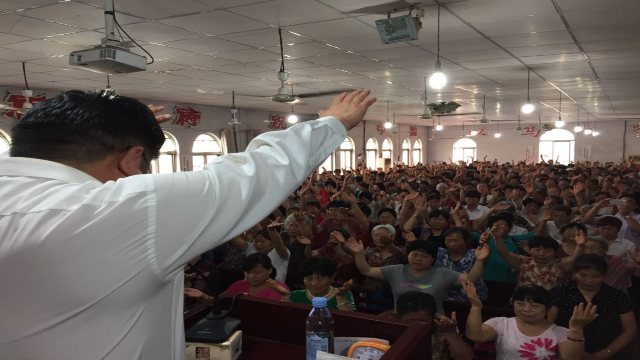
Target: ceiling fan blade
211, 92
460, 114
253, 95
322, 93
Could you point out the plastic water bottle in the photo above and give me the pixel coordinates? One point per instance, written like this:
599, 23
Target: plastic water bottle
319, 329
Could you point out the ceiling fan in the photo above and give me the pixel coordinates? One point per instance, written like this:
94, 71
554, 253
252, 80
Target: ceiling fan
285, 93
26, 93
442, 108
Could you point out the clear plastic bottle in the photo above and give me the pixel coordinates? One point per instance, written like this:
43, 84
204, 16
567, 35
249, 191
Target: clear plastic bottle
319, 329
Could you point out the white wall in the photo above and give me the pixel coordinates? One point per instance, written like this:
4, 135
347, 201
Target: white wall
511, 146
214, 120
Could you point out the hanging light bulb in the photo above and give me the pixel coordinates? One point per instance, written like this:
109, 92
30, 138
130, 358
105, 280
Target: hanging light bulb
292, 118
560, 123
588, 131
578, 128
497, 135
595, 133
438, 79
388, 124
528, 107
473, 132
439, 127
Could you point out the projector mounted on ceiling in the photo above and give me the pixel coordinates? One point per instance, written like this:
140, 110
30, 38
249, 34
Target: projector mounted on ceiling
399, 28
112, 56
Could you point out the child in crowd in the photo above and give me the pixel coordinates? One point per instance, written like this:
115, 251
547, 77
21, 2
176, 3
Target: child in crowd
446, 343
318, 273
258, 282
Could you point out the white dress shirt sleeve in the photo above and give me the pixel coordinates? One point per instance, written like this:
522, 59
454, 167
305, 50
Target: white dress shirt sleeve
197, 211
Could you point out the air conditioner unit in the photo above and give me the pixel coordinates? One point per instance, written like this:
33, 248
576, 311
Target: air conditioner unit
400, 28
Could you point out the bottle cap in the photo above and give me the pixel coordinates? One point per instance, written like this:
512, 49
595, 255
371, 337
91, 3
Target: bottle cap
319, 302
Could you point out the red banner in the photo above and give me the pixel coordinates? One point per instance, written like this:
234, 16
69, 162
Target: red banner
17, 101
186, 116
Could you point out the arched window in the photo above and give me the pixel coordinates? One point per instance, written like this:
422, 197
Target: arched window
557, 145
167, 162
205, 148
406, 149
372, 153
5, 142
465, 150
346, 153
417, 152
387, 149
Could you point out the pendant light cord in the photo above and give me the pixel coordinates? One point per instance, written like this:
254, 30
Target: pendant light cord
528, 84
560, 108
438, 41
281, 50
24, 74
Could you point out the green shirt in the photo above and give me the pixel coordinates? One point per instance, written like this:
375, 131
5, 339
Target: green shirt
496, 268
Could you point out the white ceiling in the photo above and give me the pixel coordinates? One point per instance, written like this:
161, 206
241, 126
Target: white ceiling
587, 49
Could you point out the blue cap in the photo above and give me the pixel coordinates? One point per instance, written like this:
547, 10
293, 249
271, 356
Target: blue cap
319, 302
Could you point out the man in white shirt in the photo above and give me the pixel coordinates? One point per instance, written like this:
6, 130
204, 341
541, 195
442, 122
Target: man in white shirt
473, 207
96, 247
609, 229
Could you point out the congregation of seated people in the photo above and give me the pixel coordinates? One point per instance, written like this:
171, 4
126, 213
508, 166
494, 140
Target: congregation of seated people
496, 256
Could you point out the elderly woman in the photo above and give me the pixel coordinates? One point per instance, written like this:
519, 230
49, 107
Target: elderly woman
420, 273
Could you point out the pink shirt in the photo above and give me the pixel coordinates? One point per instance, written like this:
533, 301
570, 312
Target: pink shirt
242, 287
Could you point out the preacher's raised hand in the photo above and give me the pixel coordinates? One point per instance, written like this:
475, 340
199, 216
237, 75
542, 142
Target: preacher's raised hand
350, 108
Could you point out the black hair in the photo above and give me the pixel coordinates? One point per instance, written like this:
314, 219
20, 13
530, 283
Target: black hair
86, 127
573, 225
433, 196
414, 301
531, 200
388, 210
500, 217
437, 213
534, 293
260, 259
590, 261
365, 195
543, 242
563, 208
314, 203
472, 194
609, 221
556, 200
345, 233
364, 208
330, 183
339, 204
459, 230
263, 233
319, 265
428, 247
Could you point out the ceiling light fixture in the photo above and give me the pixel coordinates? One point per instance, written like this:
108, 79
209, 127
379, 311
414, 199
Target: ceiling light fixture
587, 129
292, 118
497, 134
473, 132
438, 79
578, 128
388, 124
595, 130
560, 122
528, 107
